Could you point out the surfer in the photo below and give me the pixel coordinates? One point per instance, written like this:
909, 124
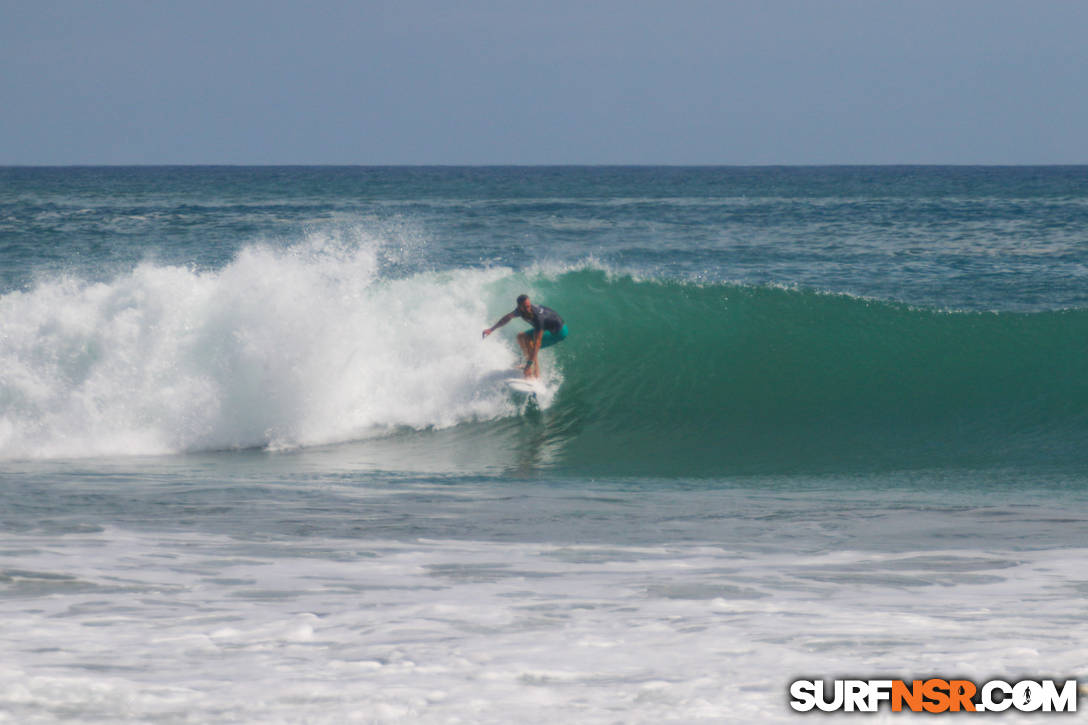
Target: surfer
548, 329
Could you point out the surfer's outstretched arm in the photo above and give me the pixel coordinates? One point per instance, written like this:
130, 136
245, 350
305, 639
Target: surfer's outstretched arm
505, 318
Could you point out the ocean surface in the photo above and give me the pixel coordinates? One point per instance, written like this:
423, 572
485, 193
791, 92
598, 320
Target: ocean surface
257, 463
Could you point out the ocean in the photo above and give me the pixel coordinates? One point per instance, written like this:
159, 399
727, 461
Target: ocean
257, 463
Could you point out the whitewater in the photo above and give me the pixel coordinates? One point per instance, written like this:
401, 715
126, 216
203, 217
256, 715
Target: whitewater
279, 348
257, 464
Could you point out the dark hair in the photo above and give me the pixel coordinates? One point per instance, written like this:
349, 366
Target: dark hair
522, 298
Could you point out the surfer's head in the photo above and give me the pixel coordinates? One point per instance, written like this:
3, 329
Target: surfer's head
524, 305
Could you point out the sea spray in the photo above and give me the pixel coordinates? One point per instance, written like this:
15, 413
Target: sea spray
302, 345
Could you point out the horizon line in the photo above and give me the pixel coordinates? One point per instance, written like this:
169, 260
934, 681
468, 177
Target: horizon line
552, 166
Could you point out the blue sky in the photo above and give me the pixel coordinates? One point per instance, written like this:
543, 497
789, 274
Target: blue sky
557, 82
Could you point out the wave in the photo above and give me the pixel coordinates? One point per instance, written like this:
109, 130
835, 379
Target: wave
315, 344
721, 377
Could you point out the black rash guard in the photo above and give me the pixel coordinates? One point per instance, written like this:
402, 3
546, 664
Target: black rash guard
546, 318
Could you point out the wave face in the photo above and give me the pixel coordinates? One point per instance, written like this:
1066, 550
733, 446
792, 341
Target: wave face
663, 376
314, 345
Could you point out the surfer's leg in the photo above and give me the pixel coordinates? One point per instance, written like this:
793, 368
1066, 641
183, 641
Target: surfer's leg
524, 342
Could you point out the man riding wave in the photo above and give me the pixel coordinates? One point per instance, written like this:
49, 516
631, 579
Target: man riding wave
548, 329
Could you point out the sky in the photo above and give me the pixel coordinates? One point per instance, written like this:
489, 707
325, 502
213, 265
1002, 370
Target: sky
746, 82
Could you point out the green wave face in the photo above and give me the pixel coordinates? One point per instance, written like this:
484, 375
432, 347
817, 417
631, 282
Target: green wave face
667, 378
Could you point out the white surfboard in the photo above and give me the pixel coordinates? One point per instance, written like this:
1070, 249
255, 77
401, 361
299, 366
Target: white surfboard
524, 386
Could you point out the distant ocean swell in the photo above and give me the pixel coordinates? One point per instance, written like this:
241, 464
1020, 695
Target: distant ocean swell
314, 345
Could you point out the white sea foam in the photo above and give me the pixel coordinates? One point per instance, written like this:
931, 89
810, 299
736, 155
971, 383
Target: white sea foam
282, 347
131, 627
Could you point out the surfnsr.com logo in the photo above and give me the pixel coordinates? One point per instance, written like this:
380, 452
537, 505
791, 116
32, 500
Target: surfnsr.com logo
933, 695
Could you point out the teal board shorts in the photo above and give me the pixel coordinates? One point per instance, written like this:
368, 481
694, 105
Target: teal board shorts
550, 338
